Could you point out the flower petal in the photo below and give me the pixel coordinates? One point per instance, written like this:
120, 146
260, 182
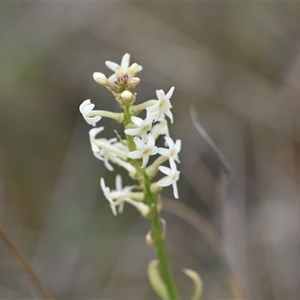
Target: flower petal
111, 65
92, 120
151, 141
165, 170
175, 190
118, 182
165, 181
139, 143
163, 152
86, 107
170, 115
94, 131
170, 92
178, 146
113, 78
138, 121
132, 131
125, 61
169, 142
145, 160
135, 154
160, 94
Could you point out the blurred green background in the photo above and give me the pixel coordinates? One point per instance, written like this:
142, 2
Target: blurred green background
238, 64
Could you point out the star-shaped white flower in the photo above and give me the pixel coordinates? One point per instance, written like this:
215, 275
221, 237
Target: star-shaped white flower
140, 206
142, 126
86, 108
124, 65
171, 178
144, 150
92, 134
174, 149
121, 194
105, 155
109, 150
98, 152
163, 105
119, 190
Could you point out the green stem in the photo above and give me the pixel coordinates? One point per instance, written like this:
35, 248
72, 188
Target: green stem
156, 229
159, 243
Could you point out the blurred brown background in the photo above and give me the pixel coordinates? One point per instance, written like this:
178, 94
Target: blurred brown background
237, 63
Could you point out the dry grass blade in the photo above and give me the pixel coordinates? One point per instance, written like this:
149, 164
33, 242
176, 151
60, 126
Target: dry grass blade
225, 165
25, 266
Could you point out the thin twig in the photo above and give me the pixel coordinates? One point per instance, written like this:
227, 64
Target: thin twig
25, 266
225, 165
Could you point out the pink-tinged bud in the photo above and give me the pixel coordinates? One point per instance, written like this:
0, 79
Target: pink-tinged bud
100, 78
119, 71
134, 81
122, 79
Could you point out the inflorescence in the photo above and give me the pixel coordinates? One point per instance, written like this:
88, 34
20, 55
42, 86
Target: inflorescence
133, 150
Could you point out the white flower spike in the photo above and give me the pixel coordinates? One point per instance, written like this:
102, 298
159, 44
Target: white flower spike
143, 150
86, 108
142, 126
171, 178
163, 105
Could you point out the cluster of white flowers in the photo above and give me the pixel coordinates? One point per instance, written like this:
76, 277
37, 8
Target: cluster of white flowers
133, 151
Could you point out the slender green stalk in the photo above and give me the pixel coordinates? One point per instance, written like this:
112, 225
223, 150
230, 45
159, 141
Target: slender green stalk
159, 242
155, 223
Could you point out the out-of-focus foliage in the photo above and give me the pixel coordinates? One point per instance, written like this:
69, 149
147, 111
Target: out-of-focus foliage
237, 63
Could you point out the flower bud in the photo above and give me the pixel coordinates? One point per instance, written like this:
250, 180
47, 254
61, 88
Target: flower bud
100, 78
134, 81
122, 79
126, 95
133, 69
119, 71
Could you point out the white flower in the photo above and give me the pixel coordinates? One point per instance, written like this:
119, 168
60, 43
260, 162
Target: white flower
120, 189
140, 206
111, 149
105, 155
86, 108
100, 78
174, 149
98, 152
106, 192
143, 126
121, 194
124, 66
171, 178
163, 105
143, 150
